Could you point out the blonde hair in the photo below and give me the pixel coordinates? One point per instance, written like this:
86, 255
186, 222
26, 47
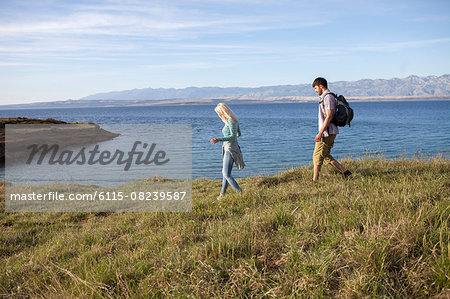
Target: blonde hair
225, 113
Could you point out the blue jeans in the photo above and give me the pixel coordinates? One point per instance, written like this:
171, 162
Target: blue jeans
226, 172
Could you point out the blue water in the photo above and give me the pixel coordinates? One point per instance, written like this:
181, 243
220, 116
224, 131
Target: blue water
276, 137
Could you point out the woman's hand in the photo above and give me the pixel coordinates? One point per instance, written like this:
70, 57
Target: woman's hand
214, 140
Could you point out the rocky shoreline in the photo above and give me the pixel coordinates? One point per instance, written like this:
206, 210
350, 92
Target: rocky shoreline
63, 133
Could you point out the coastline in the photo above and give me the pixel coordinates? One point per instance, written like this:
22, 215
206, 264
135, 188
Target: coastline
208, 101
80, 133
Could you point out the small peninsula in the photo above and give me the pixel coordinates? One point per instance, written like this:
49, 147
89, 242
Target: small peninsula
80, 133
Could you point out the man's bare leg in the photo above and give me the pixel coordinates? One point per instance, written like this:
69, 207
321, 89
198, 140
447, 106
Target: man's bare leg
338, 166
316, 172
345, 172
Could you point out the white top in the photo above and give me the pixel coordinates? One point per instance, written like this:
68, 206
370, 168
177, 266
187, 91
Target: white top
327, 102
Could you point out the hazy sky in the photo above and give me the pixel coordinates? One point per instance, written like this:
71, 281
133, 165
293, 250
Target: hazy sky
56, 50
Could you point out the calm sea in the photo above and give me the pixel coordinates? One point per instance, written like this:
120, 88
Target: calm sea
276, 137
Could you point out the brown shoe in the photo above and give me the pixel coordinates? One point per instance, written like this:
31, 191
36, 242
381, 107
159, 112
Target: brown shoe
346, 174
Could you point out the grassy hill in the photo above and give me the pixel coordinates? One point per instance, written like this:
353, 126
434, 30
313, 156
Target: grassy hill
385, 232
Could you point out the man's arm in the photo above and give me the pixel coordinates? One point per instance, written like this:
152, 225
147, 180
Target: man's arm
325, 125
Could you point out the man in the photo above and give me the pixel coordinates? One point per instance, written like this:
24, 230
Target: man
327, 131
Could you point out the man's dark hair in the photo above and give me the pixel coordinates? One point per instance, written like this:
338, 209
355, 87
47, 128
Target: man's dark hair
320, 81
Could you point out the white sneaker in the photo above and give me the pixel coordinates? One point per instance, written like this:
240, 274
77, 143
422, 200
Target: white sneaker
221, 196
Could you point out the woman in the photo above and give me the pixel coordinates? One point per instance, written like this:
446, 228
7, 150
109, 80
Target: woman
231, 152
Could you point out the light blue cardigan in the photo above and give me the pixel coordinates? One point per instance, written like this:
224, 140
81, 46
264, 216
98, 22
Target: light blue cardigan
231, 132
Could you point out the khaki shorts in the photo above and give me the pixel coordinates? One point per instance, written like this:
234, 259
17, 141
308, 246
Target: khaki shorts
322, 150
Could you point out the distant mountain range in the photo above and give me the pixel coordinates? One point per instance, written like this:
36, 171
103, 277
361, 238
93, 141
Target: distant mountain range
412, 87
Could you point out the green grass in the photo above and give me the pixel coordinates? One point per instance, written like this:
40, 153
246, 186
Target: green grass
384, 233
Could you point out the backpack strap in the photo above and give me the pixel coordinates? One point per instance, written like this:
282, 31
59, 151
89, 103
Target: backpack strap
333, 94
